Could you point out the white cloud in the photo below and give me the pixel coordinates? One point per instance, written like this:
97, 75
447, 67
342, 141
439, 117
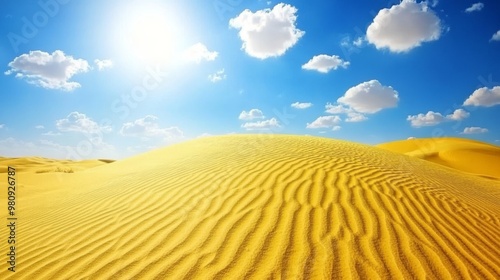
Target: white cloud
355, 117
411, 138
217, 76
103, 64
325, 122
458, 115
324, 63
370, 97
336, 128
251, 115
148, 127
40, 127
433, 118
474, 130
358, 42
496, 36
404, 26
429, 119
484, 97
79, 122
337, 109
268, 32
475, 8
299, 105
2, 126
51, 71
262, 125
199, 52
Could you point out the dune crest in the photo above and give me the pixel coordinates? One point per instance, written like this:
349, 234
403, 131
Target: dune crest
466, 155
259, 207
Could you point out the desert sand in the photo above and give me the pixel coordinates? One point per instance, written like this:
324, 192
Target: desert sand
263, 207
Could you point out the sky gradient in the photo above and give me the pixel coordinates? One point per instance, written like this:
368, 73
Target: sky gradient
86, 79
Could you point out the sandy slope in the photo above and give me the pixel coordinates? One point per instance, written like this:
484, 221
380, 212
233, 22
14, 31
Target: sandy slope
462, 154
259, 207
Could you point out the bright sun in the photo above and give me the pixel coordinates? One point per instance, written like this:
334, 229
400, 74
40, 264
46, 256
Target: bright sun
149, 33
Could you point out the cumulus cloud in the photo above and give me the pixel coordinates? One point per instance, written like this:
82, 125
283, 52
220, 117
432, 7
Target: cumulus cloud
475, 8
484, 97
324, 63
268, 32
404, 26
326, 122
458, 115
261, 125
433, 118
217, 76
103, 64
299, 105
199, 52
429, 119
370, 97
148, 127
355, 117
40, 127
79, 122
496, 36
50, 71
251, 115
337, 109
474, 130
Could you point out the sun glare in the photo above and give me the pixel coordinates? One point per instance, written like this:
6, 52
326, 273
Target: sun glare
149, 33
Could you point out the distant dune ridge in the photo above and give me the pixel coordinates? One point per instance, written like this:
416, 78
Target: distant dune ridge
264, 207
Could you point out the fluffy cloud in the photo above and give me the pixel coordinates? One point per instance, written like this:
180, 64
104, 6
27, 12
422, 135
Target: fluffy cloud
352, 115
326, 122
251, 115
337, 109
217, 76
404, 26
370, 97
103, 64
78, 122
496, 36
262, 125
40, 127
148, 127
429, 119
268, 33
324, 63
199, 52
51, 71
484, 97
299, 105
474, 130
433, 118
458, 115
475, 8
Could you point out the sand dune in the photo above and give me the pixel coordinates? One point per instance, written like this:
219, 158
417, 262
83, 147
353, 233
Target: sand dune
462, 154
44, 165
259, 207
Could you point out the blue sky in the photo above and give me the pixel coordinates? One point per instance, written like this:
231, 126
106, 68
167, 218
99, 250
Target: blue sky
87, 79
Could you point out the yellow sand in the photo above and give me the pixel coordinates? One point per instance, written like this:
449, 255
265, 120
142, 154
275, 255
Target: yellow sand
258, 207
462, 154
44, 165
